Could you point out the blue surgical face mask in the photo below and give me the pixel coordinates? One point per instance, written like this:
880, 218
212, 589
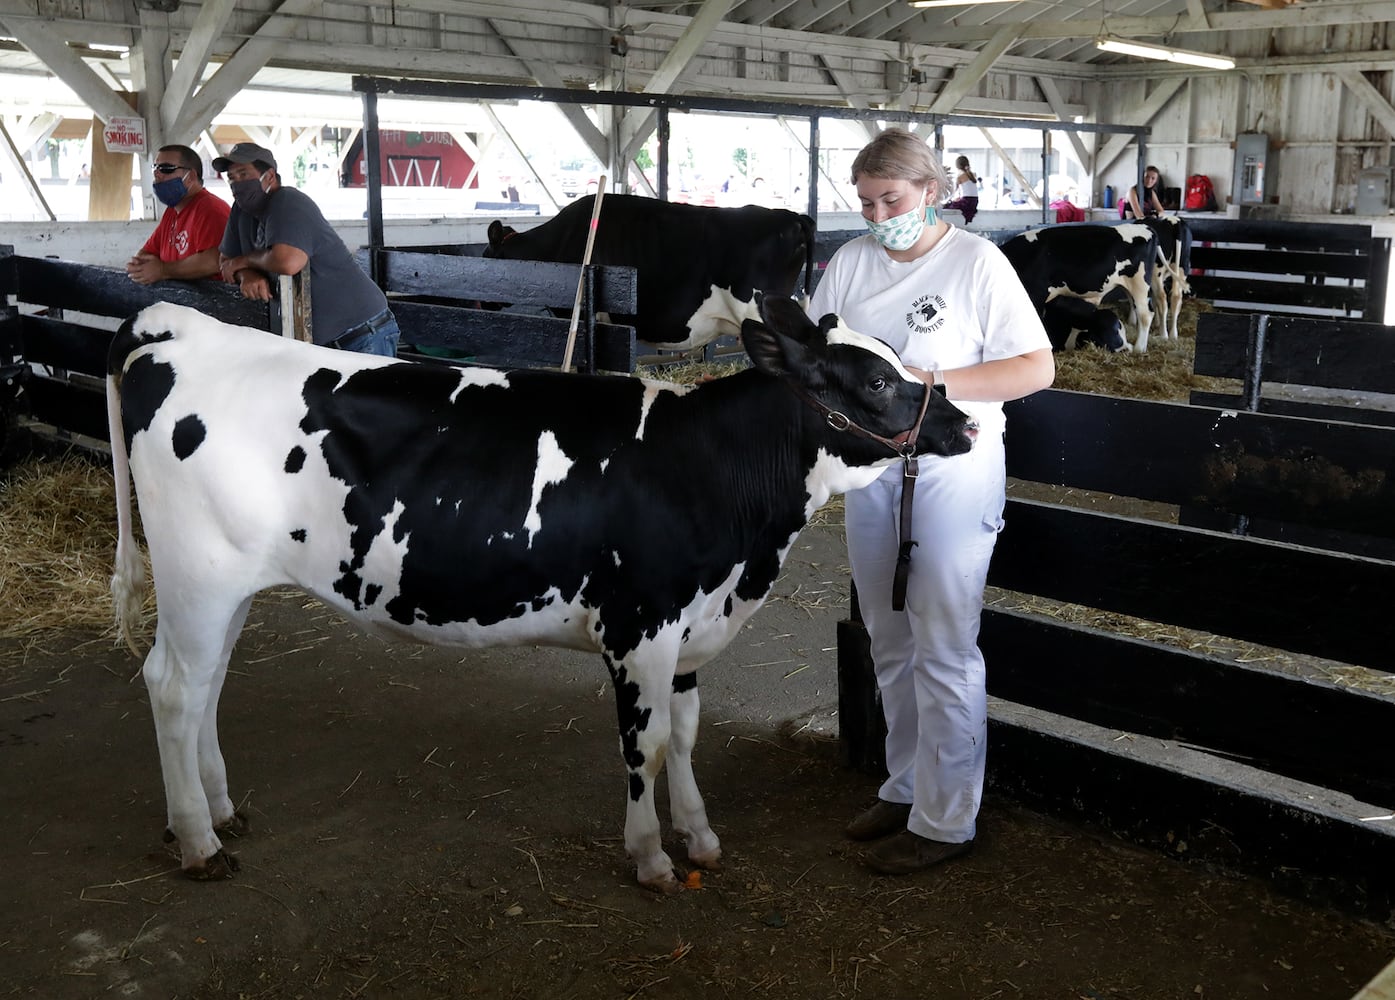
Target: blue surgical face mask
170, 192
902, 231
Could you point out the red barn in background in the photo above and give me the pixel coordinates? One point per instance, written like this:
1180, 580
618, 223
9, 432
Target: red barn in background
412, 159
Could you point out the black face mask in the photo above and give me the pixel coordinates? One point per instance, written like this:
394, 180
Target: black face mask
249, 195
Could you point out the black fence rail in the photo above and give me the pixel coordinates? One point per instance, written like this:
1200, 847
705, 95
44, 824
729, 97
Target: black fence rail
1278, 771
57, 346
1330, 269
58, 323
1340, 374
450, 302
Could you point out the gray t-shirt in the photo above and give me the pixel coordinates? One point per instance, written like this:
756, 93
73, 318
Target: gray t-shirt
342, 295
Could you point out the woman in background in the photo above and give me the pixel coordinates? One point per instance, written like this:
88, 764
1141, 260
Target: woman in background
965, 197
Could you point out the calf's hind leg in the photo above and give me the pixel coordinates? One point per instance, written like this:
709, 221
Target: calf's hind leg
213, 772
184, 673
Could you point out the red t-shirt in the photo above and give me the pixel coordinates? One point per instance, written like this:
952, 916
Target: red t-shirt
198, 226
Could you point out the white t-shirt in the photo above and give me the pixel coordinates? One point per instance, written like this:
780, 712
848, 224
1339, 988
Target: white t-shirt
957, 305
966, 189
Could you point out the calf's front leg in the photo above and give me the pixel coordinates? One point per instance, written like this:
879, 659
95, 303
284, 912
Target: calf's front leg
685, 801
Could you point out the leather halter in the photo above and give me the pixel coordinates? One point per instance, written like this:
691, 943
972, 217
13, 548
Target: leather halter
902, 444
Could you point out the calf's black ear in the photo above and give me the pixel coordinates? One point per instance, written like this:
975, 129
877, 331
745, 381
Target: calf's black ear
771, 351
783, 314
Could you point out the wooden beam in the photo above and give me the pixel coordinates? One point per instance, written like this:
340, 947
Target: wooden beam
208, 27
1053, 97
1374, 101
234, 74
67, 65
1008, 162
688, 46
1109, 151
15, 165
502, 130
109, 189
1299, 16
966, 79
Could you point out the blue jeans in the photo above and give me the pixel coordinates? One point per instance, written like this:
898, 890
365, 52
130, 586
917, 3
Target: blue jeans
380, 338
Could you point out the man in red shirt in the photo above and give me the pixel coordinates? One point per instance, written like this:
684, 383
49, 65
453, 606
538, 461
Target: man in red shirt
185, 243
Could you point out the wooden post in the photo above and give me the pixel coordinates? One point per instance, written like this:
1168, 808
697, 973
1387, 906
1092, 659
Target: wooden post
109, 193
585, 263
294, 292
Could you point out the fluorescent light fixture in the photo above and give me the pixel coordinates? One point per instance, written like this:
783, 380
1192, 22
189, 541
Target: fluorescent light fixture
953, 3
1146, 51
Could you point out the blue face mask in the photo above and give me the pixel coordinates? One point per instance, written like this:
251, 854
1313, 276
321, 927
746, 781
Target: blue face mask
170, 192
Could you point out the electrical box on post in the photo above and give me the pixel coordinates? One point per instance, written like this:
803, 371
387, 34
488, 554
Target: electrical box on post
1251, 154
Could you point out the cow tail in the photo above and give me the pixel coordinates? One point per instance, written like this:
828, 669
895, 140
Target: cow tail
128, 574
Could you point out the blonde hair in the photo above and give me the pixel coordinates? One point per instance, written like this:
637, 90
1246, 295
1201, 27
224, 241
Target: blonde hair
901, 155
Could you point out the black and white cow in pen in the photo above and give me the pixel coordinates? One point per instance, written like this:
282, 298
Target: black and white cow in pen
1173, 265
475, 507
698, 267
1097, 263
1071, 322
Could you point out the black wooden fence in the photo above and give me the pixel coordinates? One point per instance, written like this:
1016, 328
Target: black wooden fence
55, 335
1334, 269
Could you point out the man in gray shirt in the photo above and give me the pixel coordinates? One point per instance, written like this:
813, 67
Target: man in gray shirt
275, 230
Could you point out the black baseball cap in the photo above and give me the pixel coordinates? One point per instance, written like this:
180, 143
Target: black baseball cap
244, 152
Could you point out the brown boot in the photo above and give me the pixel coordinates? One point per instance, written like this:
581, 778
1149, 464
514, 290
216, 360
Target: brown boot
882, 820
909, 852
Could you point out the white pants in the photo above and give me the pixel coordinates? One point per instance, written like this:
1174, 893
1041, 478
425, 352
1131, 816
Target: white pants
928, 665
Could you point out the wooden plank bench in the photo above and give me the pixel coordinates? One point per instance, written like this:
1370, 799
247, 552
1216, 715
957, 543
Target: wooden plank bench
1273, 771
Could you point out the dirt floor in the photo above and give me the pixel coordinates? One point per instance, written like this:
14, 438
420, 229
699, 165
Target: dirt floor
432, 823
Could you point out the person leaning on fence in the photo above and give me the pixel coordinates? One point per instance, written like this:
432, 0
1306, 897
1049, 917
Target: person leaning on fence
951, 304
274, 230
965, 197
184, 244
1150, 205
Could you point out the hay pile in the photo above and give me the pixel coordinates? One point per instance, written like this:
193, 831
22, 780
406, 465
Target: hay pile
57, 540
1164, 372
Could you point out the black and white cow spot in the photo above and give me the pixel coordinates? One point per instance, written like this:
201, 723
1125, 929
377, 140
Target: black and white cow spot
189, 433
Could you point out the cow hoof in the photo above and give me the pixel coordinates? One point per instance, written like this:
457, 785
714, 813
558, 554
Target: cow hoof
221, 866
667, 884
238, 826
711, 861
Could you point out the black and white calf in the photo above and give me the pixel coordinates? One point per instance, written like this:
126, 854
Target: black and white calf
698, 268
474, 507
1097, 263
1071, 322
1174, 264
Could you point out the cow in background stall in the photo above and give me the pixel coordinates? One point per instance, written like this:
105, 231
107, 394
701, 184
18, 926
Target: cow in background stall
698, 267
1174, 263
1098, 263
474, 507
1071, 323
